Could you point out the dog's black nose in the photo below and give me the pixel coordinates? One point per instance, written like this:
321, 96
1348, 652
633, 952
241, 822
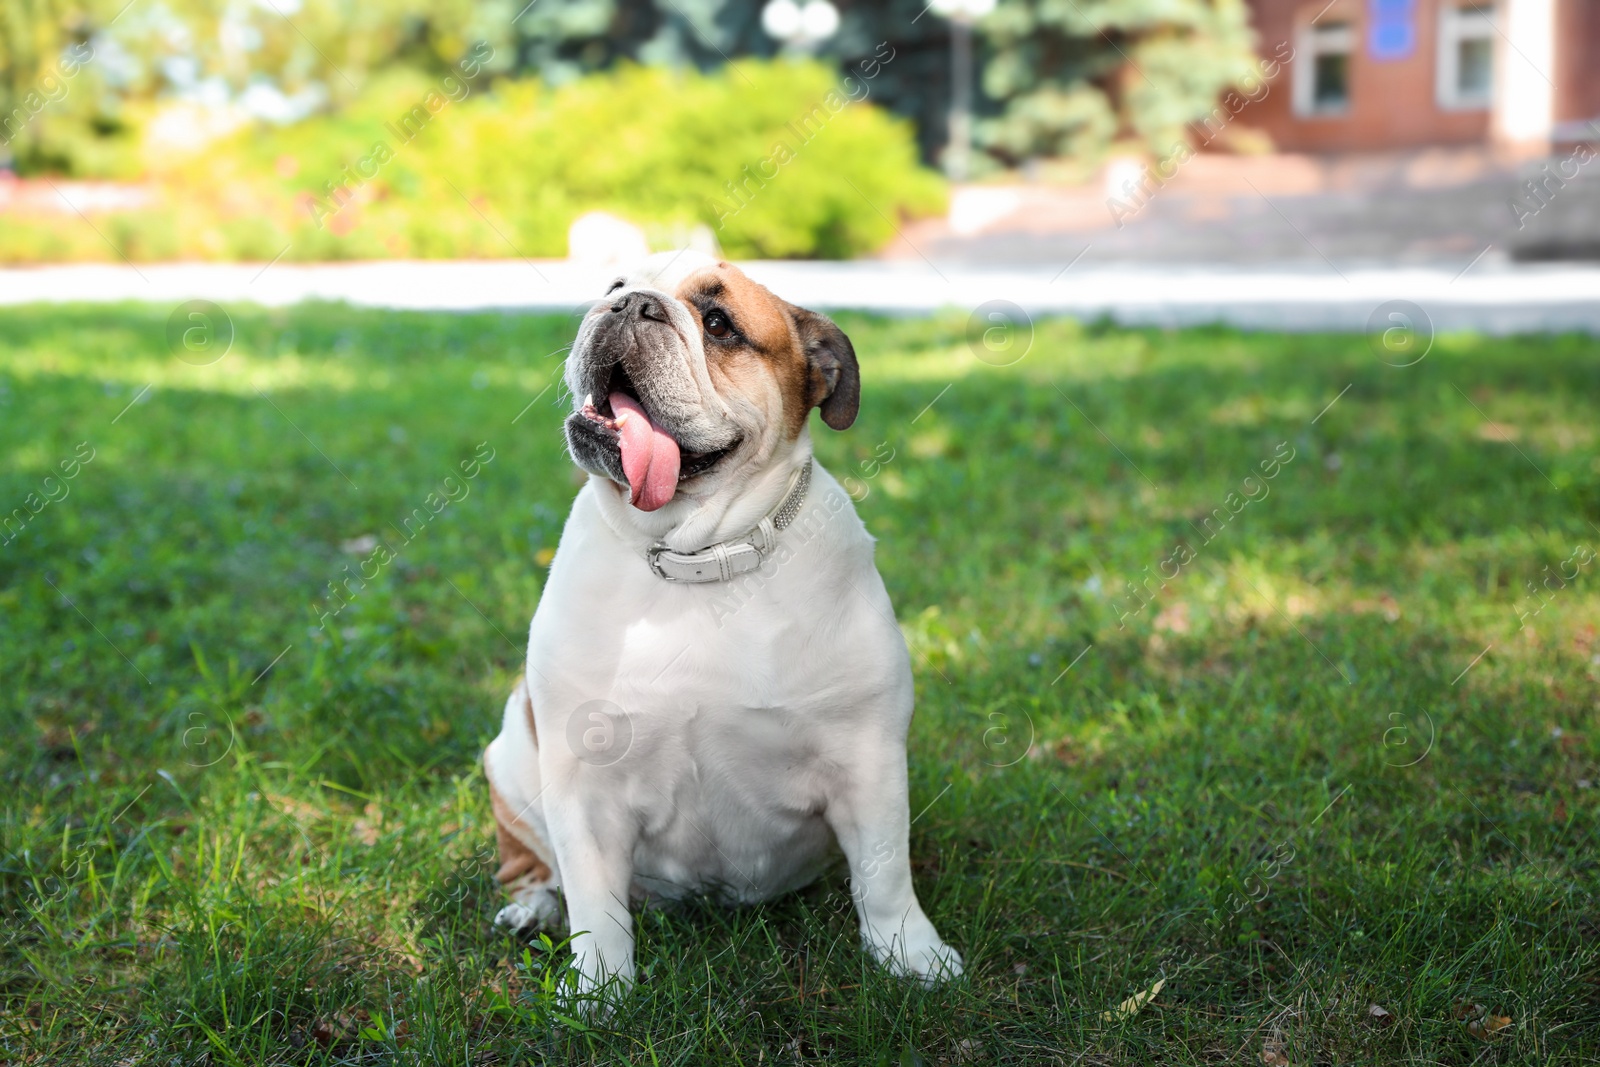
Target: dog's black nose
640, 305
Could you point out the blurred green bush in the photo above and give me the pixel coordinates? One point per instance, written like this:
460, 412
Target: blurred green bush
772, 156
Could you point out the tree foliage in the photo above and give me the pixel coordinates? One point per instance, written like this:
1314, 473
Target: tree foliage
1065, 77
280, 59
1059, 77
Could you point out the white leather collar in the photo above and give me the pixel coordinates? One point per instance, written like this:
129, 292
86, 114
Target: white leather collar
738, 555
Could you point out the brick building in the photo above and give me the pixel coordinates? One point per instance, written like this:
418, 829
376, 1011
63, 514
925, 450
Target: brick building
1371, 75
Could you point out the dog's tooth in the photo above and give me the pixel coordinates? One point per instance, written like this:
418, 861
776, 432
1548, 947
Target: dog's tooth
588, 400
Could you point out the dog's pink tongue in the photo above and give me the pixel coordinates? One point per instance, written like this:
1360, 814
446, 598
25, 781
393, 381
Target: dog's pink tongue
649, 454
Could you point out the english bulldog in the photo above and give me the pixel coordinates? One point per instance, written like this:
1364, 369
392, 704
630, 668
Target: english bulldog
716, 693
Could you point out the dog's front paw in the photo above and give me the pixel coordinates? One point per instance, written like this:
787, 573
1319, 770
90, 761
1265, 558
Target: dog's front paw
596, 991
929, 962
539, 909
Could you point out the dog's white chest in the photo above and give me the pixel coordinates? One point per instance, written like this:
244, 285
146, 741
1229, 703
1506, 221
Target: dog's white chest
726, 754
732, 712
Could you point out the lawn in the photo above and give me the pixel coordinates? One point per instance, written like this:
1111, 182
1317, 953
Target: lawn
1331, 775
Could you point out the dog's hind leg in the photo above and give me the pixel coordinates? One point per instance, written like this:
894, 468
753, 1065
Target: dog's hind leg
527, 863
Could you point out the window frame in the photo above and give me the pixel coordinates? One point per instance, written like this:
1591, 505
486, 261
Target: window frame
1333, 38
1461, 21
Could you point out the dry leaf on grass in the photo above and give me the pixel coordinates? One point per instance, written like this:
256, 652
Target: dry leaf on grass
1173, 617
1130, 1007
1272, 1055
1378, 1015
367, 830
331, 1031
298, 810
1482, 1023
1498, 431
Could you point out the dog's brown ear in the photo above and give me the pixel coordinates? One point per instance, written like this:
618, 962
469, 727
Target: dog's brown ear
834, 378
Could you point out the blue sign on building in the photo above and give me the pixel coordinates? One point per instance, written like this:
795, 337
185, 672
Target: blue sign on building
1392, 29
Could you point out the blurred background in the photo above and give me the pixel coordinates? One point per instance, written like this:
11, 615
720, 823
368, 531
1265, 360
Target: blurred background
1267, 132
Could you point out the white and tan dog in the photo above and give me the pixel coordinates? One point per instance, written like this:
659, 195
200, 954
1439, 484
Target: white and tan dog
716, 690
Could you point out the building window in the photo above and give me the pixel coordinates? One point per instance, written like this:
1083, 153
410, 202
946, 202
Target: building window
1466, 55
1322, 79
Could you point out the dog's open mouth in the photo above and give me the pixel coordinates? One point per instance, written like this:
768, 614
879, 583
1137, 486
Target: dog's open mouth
652, 462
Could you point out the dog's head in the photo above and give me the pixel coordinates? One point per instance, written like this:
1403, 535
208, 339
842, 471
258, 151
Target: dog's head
687, 373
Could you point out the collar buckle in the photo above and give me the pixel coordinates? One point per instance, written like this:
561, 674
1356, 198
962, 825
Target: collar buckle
653, 557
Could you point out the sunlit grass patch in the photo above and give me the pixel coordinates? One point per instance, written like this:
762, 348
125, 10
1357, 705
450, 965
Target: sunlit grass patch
1336, 755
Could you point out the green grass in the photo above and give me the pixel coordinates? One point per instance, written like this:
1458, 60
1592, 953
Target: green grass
205, 861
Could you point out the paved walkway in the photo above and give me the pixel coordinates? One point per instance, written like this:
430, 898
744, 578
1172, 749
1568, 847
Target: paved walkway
1436, 208
1492, 298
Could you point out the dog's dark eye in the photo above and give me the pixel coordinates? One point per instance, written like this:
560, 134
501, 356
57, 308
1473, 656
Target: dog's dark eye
615, 286
717, 324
